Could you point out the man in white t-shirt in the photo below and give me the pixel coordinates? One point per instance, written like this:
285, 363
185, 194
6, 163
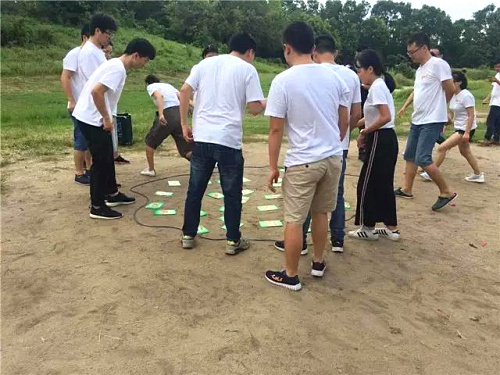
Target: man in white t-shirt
72, 86
167, 122
224, 85
433, 88
492, 135
94, 112
310, 103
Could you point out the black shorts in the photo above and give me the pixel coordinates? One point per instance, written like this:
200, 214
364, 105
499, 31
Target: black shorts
462, 132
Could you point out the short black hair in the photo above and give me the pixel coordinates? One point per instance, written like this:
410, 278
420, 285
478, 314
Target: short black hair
85, 31
241, 43
420, 39
151, 79
459, 76
142, 47
300, 36
325, 43
102, 22
211, 48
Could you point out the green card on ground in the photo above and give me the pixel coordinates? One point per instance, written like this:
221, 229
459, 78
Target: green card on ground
246, 179
225, 228
347, 205
246, 192
244, 199
221, 218
164, 212
164, 193
215, 195
221, 209
272, 196
270, 207
174, 183
202, 230
155, 205
203, 214
282, 169
210, 182
270, 223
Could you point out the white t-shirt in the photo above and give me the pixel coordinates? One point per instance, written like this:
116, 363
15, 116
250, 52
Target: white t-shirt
70, 63
166, 90
90, 58
429, 98
223, 85
308, 96
459, 104
351, 80
378, 94
111, 74
495, 92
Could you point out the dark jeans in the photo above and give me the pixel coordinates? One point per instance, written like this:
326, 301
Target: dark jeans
230, 163
493, 124
337, 220
102, 172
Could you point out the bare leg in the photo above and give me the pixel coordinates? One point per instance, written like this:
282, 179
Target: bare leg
436, 176
79, 158
444, 147
319, 234
150, 155
88, 160
293, 246
410, 172
467, 154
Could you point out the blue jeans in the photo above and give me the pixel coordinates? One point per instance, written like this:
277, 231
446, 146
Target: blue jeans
230, 163
337, 221
80, 143
421, 141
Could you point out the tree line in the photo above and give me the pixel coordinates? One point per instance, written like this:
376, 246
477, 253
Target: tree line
354, 24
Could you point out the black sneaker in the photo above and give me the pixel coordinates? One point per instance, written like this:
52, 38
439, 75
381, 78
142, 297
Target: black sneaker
121, 160
105, 213
337, 246
280, 278
443, 201
118, 200
280, 245
400, 193
82, 179
318, 269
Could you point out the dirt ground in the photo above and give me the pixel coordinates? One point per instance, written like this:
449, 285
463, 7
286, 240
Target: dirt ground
82, 296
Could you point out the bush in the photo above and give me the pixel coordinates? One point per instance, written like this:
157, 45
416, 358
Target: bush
20, 31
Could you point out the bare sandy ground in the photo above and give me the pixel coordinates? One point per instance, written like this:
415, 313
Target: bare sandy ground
81, 296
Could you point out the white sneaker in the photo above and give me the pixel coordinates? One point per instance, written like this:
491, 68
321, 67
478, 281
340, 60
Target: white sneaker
425, 176
362, 234
389, 234
147, 172
475, 178
187, 242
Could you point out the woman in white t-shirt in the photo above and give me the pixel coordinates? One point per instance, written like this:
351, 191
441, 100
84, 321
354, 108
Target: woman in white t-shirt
463, 113
376, 201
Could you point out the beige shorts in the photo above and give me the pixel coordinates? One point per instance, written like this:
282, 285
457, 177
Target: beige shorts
311, 187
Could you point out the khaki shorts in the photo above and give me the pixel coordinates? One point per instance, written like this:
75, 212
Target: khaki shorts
311, 186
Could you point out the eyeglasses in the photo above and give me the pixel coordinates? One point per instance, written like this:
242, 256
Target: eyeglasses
411, 53
110, 33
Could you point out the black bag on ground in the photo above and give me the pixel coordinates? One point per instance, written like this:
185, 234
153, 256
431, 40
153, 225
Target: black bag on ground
124, 129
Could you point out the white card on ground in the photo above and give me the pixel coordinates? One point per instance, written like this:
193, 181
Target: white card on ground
174, 183
164, 193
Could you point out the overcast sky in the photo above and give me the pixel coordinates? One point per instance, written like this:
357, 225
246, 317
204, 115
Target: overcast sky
456, 9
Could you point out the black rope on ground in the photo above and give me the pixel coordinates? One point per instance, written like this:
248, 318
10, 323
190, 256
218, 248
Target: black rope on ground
180, 229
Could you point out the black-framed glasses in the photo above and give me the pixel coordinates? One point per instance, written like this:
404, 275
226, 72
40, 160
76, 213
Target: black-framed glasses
110, 33
411, 53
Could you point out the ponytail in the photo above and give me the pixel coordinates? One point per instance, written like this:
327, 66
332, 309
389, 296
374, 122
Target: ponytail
389, 81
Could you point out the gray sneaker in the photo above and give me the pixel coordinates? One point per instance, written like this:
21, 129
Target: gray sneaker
233, 248
187, 242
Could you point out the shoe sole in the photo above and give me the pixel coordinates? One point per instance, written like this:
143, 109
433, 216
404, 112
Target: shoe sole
363, 238
235, 251
477, 182
93, 216
147, 175
317, 273
389, 238
451, 200
337, 249
187, 247
302, 252
294, 288
114, 204
80, 183
403, 196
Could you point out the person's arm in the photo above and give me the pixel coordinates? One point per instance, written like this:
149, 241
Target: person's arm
185, 95
159, 107
66, 86
276, 129
495, 80
383, 118
355, 115
406, 105
98, 95
257, 107
470, 120
487, 99
449, 88
343, 121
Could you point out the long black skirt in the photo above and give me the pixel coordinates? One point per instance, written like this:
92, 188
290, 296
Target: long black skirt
376, 200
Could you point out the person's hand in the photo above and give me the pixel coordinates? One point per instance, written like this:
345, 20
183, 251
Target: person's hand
187, 134
71, 106
162, 120
402, 111
465, 138
361, 140
108, 124
272, 177
486, 101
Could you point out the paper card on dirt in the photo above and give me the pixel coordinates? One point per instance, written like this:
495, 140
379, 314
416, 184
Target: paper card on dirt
246, 180
221, 209
203, 214
221, 218
174, 183
270, 223
155, 205
347, 205
246, 192
164, 193
269, 207
224, 226
276, 184
244, 199
272, 196
202, 230
215, 195
282, 169
164, 212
